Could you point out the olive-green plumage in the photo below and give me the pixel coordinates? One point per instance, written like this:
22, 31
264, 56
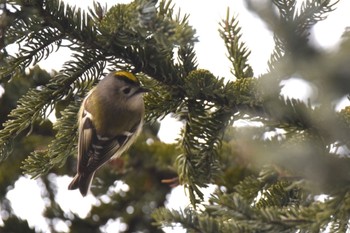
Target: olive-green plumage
110, 119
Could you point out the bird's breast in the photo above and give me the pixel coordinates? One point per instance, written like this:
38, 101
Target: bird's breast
119, 120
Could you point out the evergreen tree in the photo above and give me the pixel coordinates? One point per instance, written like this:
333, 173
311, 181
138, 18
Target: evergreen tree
264, 184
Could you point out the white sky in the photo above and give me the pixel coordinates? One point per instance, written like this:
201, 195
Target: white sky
211, 55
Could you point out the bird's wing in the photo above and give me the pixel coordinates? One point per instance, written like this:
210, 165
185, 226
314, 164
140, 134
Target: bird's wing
104, 149
86, 134
95, 150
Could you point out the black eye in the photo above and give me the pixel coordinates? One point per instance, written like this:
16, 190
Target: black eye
127, 90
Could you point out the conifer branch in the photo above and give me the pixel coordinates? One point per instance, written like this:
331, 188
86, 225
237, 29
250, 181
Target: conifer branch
38, 103
204, 126
37, 46
238, 53
293, 28
313, 11
64, 145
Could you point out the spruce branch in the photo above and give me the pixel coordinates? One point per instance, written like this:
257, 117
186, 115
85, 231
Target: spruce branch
313, 11
161, 101
44, 31
72, 22
286, 8
36, 47
292, 29
187, 59
37, 164
94, 44
204, 126
60, 148
167, 33
238, 53
322, 120
31, 107
187, 218
38, 103
231, 213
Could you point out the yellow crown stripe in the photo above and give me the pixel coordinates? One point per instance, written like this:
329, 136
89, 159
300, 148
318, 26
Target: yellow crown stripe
127, 75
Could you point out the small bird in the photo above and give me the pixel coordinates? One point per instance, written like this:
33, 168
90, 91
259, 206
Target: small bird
110, 118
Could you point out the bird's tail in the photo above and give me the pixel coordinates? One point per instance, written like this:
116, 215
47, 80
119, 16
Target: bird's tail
81, 182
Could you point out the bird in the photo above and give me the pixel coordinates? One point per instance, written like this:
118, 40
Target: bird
109, 120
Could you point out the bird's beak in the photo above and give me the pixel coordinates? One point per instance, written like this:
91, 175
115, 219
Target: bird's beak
143, 90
